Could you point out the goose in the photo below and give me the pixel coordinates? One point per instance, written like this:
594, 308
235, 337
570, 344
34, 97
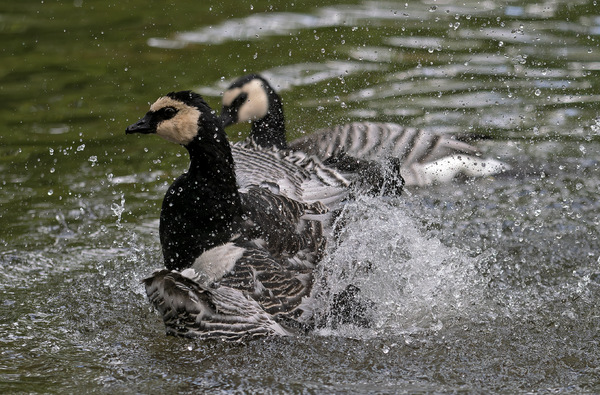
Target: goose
239, 259
420, 156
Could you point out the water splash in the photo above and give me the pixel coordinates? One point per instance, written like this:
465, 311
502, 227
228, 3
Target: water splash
118, 210
414, 281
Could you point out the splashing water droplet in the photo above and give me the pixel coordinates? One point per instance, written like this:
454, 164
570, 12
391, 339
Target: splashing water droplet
118, 210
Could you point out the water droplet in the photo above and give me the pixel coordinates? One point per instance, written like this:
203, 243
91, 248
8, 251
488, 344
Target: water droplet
118, 210
50, 192
385, 349
537, 92
81, 148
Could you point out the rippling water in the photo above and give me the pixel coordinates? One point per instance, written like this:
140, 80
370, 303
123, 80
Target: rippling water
479, 285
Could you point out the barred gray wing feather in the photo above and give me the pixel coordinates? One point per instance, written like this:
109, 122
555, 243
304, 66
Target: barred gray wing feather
295, 175
425, 156
371, 140
280, 289
192, 310
283, 225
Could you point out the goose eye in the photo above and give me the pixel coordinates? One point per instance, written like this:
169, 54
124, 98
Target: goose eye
239, 100
168, 112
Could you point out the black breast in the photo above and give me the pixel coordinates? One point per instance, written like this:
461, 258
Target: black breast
195, 216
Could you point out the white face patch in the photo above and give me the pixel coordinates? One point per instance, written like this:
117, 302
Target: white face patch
183, 127
256, 105
218, 261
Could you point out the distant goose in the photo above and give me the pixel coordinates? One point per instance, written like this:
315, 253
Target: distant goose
239, 260
422, 157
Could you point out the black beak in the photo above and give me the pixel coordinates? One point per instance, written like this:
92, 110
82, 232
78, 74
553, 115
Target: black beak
226, 118
144, 126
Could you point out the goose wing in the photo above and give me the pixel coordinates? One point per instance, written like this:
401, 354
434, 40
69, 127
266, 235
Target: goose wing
425, 156
289, 229
375, 141
259, 297
192, 310
294, 174
281, 289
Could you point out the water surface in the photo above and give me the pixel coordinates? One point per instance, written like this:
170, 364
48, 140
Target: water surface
484, 285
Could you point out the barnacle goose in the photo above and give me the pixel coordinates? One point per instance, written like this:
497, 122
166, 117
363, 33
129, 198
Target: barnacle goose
239, 259
421, 157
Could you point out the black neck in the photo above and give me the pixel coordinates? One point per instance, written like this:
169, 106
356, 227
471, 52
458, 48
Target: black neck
202, 206
269, 131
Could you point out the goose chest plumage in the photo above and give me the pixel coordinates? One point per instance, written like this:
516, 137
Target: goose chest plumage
421, 157
239, 260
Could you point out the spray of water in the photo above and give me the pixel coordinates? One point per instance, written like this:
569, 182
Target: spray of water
410, 281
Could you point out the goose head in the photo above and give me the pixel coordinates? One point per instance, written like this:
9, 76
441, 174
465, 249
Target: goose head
180, 117
252, 99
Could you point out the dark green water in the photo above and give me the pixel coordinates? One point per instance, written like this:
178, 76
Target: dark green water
481, 286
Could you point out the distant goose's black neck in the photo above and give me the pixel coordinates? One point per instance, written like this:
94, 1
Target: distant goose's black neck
269, 131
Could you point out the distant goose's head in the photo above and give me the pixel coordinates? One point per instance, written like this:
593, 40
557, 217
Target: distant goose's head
252, 99
182, 118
